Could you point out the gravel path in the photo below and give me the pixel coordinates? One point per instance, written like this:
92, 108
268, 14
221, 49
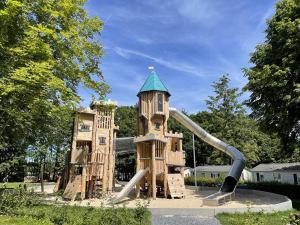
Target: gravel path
183, 220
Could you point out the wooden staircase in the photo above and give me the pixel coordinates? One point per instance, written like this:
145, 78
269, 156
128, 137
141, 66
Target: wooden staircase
176, 187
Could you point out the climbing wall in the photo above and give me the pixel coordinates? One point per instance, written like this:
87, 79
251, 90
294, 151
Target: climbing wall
176, 186
73, 187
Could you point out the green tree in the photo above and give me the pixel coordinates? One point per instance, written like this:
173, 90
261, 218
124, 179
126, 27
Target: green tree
126, 120
47, 49
274, 78
226, 120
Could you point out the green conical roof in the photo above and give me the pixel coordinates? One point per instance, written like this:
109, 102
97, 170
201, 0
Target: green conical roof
153, 83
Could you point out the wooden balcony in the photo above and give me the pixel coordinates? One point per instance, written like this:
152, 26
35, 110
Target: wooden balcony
175, 158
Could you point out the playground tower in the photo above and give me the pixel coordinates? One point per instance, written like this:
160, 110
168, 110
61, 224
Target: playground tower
157, 149
91, 160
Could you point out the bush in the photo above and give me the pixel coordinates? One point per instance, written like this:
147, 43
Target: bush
204, 181
257, 218
76, 215
13, 200
289, 190
20, 203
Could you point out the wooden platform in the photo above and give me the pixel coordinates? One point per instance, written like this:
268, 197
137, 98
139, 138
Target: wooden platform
176, 187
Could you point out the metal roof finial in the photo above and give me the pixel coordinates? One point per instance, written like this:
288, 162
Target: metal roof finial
151, 68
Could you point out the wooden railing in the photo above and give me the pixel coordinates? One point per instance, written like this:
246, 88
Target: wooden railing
96, 156
175, 158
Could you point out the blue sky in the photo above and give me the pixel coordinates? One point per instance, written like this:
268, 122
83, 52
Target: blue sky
191, 43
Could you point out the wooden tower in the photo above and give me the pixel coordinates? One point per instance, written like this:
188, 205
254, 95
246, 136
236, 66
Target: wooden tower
157, 149
92, 157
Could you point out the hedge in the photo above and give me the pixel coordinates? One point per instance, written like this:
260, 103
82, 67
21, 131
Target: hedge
204, 181
289, 190
27, 205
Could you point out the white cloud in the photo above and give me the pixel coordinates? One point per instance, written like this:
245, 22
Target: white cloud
198, 11
181, 67
266, 16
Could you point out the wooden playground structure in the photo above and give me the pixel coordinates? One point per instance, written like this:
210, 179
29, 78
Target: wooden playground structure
160, 158
91, 161
159, 155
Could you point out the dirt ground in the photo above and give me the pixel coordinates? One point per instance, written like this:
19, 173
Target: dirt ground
193, 199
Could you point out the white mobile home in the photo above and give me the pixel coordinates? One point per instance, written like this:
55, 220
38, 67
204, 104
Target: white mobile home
280, 172
215, 171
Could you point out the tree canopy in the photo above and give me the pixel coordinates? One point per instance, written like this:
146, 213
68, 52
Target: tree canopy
274, 78
47, 49
226, 119
126, 120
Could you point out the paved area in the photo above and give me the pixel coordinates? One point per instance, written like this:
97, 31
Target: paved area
183, 220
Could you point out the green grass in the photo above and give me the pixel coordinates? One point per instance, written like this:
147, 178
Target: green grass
249, 218
12, 220
15, 185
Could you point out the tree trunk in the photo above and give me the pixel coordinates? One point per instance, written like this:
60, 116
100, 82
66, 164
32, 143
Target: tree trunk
42, 175
56, 163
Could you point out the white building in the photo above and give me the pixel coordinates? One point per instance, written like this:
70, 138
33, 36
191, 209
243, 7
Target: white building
187, 172
214, 171
280, 172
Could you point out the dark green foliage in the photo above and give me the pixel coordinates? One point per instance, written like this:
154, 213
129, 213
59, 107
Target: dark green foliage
12, 200
274, 80
125, 164
125, 118
227, 120
289, 190
204, 181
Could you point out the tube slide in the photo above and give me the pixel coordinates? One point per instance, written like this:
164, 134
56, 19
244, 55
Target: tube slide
238, 165
129, 186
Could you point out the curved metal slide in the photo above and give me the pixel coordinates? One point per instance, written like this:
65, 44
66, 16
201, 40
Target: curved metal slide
238, 165
129, 186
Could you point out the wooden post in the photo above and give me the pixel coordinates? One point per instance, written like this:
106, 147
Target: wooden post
105, 170
153, 171
83, 182
165, 171
138, 164
110, 161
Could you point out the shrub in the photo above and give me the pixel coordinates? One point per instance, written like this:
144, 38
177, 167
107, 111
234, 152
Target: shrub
204, 181
76, 215
289, 190
13, 200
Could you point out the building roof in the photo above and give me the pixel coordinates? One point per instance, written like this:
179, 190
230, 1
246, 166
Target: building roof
153, 83
277, 167
213, 168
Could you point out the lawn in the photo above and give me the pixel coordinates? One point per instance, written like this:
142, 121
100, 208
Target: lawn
15, 185
248, 218
12, 220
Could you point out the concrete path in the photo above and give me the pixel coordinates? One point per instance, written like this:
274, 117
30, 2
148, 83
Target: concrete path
183, 220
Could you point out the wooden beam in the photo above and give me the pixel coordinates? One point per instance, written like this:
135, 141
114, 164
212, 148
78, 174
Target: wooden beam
153, 171
138, 164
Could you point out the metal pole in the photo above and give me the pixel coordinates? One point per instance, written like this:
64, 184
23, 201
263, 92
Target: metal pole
194, 155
